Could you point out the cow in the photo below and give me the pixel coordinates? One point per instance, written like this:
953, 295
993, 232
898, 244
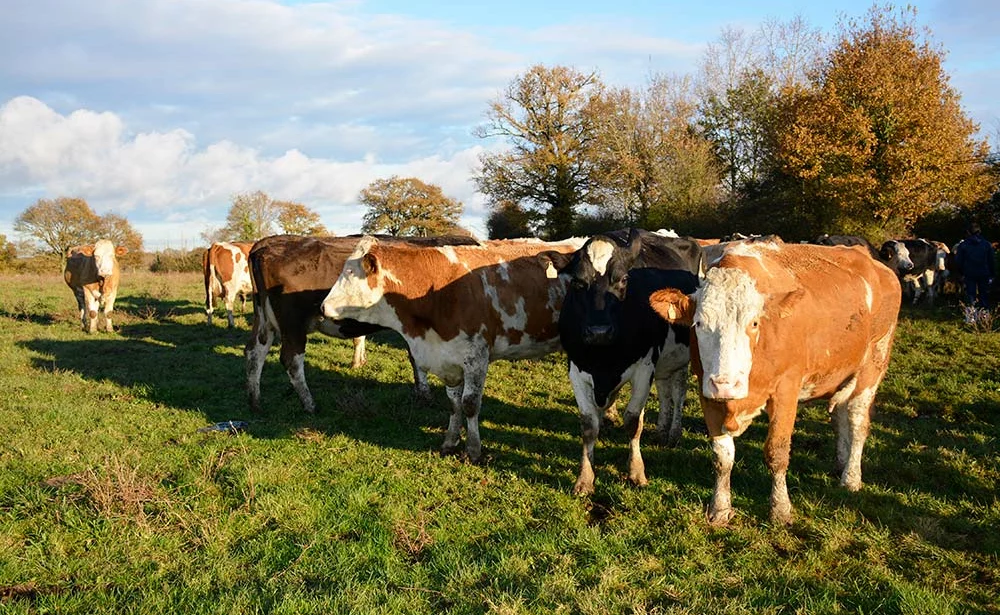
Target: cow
847, 240
292, 275
778, 324
458, 308
227, 275
612, 336
92, 273
919, 264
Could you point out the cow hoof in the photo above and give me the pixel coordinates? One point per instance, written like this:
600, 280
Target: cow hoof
451, 450
851, 484
781, 516
583, 488
720, 518
639, 480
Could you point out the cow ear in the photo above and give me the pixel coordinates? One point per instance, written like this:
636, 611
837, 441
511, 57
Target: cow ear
86, 250
554, 262
121, 250
787, 303
673, 306
369, 263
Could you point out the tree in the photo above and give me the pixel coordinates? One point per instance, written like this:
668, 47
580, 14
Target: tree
8, 254
297, 219
59, 223
879, 138
120, 231
547, 117
65, 222
741, 78
652, 164
251, 216
408, 207
508, 220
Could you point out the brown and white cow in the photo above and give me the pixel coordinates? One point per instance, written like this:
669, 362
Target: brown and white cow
92, 273
227, 275
458, 308
292, 275
776, 324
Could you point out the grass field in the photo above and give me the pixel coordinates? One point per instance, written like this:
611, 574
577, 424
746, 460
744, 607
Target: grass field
113, 501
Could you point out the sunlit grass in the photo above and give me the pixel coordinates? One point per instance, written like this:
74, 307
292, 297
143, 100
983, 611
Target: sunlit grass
111, 500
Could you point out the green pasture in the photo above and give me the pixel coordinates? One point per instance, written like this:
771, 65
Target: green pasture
113, 501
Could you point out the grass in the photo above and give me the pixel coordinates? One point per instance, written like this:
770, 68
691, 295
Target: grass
113, 501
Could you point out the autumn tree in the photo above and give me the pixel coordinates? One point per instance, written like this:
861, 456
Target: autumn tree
879, 138
251, 216
64, 222
652, 165
546, 115
297, 219
408, 207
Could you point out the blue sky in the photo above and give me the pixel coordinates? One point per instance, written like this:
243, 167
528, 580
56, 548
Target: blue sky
161, 110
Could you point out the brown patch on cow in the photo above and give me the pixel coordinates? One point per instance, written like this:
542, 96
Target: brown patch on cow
434, 288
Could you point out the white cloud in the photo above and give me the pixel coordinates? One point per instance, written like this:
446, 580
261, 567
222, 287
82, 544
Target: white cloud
153, 175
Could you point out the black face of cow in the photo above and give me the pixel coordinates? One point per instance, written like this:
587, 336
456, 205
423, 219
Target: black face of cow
598, 283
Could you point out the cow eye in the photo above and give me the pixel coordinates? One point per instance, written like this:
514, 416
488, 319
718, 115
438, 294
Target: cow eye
578, 284
754, 324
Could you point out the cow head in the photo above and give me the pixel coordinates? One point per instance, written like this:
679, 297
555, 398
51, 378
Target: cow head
105, 254
895, 254
725, 315
598, 279
361, 284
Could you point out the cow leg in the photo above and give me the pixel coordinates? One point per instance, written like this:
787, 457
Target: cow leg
720, 508
421, 387
454, 435
293, 357
360, 356
671, 390
93, 306
256, 354
81, 304
853, 419
590, 426
642, 381
109, 307
777, 451
230, 299
475, 367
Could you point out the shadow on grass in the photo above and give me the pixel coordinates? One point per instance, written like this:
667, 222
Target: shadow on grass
202, 368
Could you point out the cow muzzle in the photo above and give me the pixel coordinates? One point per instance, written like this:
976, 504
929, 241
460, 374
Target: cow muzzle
599, 335
725, 387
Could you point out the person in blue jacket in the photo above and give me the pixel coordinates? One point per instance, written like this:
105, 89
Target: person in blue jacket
976, 259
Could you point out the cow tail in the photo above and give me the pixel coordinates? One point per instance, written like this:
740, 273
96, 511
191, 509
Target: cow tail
209, 271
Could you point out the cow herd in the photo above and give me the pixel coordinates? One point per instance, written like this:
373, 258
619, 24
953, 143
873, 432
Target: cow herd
761, 323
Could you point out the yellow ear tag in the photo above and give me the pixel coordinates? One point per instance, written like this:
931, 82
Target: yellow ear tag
550, 272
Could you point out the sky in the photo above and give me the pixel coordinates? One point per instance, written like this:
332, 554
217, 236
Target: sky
162, 110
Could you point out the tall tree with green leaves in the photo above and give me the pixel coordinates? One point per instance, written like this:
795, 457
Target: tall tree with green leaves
879, 137
408, 207
546, 116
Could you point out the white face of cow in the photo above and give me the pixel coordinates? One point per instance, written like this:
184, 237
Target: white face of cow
104, 258
359, 287
726, 321
900, 258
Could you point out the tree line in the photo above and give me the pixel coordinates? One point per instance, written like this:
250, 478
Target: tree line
781, 131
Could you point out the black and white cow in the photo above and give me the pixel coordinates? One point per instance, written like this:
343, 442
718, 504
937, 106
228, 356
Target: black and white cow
918, 263
847, 240
611, 335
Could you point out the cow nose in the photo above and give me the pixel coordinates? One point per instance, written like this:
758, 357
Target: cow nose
723, 387
599, 334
